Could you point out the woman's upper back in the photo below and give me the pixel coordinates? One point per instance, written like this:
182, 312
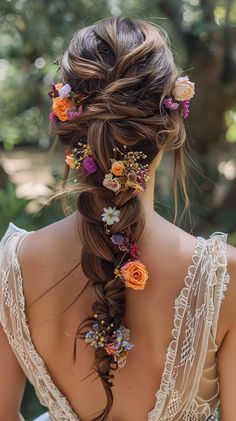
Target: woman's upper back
189, 379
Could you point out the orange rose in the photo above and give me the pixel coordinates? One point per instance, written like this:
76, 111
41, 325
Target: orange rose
70, 161
134, 274
117, 168
60, 106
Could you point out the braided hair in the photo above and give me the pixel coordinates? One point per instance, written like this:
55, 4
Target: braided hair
125, 68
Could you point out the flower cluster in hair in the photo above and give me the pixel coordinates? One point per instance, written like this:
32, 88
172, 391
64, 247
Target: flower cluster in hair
116, 343
134, 273
81, 154
66, 104
181, 94
127, 172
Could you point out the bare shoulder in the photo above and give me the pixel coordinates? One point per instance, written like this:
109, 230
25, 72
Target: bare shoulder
46, 254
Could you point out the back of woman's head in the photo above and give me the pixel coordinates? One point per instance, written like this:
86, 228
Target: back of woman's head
123, 68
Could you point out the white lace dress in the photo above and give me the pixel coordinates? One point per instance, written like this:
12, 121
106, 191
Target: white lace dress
189, 389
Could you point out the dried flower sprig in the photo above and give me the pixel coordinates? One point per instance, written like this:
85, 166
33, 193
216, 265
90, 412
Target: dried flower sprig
116, 343
133, 273
81, 154
122, 240
127, 172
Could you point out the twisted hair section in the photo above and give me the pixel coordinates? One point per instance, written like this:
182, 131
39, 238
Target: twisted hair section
126, 68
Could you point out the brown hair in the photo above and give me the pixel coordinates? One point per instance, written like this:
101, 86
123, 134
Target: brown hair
126, 68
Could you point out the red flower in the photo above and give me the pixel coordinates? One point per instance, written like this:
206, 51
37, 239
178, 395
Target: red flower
134, 250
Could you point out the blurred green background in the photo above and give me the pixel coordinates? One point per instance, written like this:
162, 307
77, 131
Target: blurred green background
33, 33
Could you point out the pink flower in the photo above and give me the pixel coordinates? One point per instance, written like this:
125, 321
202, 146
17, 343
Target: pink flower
170, 104
183, 89
111, 183
74, 114
185, 108
52, 116
134, 250
110, 348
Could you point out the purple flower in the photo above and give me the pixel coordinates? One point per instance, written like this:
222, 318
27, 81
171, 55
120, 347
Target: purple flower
117, 239
64, 91
52, 116
89, 164
170, 104
74, 114
134, 250
185, 107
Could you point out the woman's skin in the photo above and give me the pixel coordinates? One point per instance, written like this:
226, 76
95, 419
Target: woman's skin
47, 255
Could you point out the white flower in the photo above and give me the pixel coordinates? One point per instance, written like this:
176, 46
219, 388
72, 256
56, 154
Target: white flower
64, 91
110, 215
108, 177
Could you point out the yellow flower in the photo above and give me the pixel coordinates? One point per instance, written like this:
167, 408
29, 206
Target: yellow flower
117, 168
134, 186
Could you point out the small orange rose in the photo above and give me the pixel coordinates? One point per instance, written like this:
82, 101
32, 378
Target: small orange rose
134, 274
70, 161
117, 168
60, 106
58, 86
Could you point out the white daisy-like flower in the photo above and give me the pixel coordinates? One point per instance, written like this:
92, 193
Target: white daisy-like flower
110, 215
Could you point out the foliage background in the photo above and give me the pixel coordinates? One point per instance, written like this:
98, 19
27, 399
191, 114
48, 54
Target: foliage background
203, 36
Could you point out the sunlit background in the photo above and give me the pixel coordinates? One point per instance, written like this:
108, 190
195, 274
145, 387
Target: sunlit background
33, 33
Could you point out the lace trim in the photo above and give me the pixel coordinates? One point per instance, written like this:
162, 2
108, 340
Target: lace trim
220, 281
180, 306
41, 369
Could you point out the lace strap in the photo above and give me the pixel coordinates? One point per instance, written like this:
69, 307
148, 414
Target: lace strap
217, 245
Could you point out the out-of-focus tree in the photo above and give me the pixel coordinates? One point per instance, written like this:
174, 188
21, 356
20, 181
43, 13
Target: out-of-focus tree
32, 34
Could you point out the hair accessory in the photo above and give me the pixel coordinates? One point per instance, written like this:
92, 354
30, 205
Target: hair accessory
127, 172
81, 154
134, 274
122, 240
110, 215
66, 104
116, 344
182, 92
